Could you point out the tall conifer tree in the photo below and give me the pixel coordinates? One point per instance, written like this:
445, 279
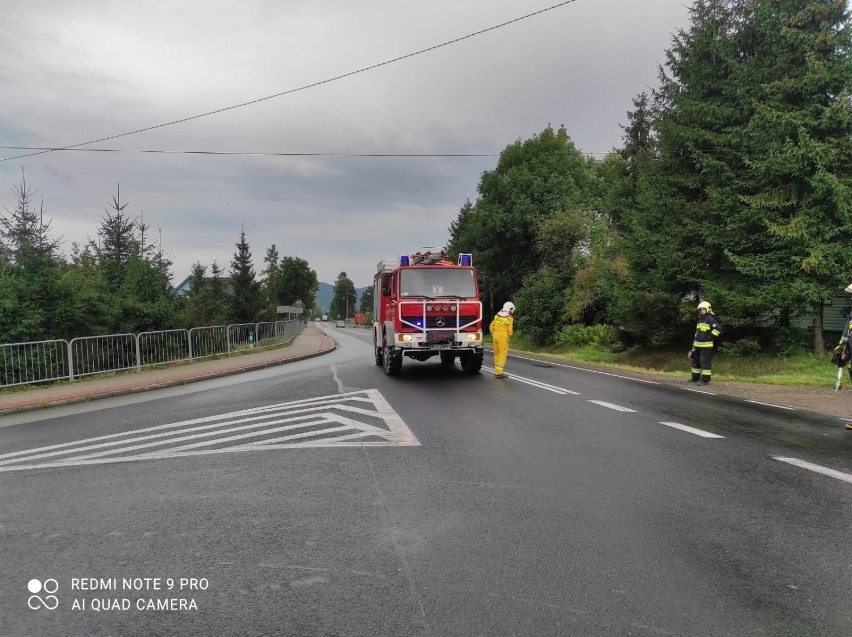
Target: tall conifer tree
246, 299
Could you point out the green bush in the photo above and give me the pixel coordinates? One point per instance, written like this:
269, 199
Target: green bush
582, 335
790, 341
743, 348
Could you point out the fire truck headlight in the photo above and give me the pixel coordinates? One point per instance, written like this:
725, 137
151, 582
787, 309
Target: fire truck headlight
405, 338
474, 337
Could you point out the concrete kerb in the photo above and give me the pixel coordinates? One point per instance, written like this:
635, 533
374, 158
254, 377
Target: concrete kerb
162, 385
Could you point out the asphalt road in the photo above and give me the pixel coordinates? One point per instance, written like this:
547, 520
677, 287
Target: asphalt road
325, 498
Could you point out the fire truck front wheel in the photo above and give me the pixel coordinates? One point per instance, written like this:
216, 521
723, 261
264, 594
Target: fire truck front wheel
471, 362
392, 360
379, 358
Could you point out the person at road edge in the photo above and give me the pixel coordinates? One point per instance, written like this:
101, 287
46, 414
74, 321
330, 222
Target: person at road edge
707, 330
501, 330
841, 352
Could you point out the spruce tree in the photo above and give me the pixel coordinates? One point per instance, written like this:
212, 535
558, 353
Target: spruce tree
747, 202
794, 210
117, 242
246, 299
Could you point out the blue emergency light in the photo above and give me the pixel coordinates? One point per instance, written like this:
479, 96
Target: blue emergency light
465, 259
404, 259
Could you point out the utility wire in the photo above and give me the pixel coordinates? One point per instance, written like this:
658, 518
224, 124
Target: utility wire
48, 149
301, 88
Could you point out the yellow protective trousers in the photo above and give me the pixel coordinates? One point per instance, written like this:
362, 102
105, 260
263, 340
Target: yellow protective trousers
501, 351
501, 329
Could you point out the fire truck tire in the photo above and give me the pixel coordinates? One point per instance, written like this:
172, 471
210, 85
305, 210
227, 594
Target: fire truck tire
471, 362
447, 358
379, 358
392, 361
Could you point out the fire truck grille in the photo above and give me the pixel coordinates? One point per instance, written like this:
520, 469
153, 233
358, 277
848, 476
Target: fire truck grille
440, 321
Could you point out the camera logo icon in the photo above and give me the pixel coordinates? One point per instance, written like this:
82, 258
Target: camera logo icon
49, 601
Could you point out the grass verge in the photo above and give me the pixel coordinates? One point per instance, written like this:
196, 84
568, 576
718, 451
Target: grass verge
801, 369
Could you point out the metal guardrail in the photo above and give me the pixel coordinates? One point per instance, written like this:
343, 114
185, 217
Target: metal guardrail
53, 360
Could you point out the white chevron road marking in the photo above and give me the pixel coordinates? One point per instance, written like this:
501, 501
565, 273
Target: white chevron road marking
361, 418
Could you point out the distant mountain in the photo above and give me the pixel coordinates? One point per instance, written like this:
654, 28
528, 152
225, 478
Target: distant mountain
325, 295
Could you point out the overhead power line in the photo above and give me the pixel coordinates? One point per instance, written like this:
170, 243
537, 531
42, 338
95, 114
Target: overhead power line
48, 149
301, 88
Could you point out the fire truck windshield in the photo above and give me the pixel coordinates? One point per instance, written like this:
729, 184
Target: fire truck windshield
434, 283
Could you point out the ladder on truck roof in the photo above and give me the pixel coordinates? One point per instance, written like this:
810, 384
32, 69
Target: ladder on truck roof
425, 256
428, 257
387, 266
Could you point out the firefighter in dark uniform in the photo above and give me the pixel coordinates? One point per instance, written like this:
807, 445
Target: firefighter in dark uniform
842, 355
706, 331
844, 344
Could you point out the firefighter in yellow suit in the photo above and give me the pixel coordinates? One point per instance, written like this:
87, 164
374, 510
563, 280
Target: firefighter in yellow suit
501, 330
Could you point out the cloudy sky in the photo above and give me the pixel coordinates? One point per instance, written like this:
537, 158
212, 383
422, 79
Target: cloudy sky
75, 71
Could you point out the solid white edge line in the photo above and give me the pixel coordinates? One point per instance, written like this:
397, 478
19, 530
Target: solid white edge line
839, 475
699, 391
612, 406
537, 383
583, 369
691, 430
757, 402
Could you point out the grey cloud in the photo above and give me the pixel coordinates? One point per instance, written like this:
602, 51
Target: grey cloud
76, 71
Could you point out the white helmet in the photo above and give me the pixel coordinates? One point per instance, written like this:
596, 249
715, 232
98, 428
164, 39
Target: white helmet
509, 307
848, 288
705, 305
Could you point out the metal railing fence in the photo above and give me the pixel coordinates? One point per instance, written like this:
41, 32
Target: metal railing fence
98, 354
33, 362
53, 360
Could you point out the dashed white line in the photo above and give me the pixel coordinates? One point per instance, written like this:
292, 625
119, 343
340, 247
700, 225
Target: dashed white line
692, 430
840, 475
612, 406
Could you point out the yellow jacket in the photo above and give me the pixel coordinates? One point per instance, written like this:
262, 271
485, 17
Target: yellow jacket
503, 323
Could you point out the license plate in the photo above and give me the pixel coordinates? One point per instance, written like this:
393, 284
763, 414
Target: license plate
443, 346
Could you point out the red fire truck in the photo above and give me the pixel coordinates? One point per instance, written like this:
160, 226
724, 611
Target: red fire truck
425, 305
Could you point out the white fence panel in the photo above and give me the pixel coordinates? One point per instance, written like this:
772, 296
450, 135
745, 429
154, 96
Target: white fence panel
45, 361
33, 362
208, 341
100, 354
164, 346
